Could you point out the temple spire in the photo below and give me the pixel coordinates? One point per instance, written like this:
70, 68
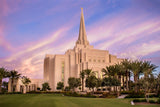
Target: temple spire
82, 39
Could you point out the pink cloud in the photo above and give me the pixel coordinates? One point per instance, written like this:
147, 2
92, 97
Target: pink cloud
3, 42
140, 50
28, 60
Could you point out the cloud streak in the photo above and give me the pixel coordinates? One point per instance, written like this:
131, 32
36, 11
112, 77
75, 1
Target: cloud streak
130, 32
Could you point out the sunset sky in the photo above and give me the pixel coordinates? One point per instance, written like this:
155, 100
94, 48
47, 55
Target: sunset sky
29, 29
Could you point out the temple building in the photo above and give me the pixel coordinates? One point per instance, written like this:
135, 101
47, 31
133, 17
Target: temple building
58, 68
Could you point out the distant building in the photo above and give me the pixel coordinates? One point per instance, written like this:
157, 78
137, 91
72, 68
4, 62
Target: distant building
83, 56
18, 86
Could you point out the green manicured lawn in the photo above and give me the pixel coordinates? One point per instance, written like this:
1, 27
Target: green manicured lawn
51, 100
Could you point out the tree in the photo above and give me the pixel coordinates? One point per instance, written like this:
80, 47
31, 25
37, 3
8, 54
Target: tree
3, 74
158, 84
60, 86
109, 71
5, 86
74, 82
147, 83
113, 71
13, 75
136, 68
126, 66
107, 82
67, 88
148, 68
88, 72
91, 82
99, 82
82, 76
45, 86
26, 81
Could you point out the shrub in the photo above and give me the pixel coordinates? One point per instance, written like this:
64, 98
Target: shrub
152, 101
139, 100
158, 101
67, 88
136, 95
136, 100
151, 96
127, 92
143, 100
74, 94
98, 92
108, 95
45, 92
13, 93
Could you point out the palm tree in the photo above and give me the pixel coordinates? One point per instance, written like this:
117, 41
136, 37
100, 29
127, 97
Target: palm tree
158, 84
126, 66
5, 86
88, 72
13, 75
120, 72
26, 81
136, 68
148, 68
82, 76
111, 71
3, 74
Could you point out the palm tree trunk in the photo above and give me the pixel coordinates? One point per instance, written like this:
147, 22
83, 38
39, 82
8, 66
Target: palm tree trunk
123, 82
114, 88
120, 82
127, 79
82, 85
0, 85
135, 80
157, 89
12, 85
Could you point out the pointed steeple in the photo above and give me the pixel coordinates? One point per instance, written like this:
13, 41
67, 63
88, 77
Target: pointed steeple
82, 39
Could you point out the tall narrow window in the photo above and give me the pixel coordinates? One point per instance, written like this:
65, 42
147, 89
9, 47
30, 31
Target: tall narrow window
62, 71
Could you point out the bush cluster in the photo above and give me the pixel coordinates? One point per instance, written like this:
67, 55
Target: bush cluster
127, 92
11, 93
108, 95
152, 101
151, 96
139, 100
74, 94
136, 95
158, 101
45, 92
144, 100
98, 92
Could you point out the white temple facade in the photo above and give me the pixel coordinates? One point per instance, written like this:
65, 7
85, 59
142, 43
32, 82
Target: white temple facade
58, 68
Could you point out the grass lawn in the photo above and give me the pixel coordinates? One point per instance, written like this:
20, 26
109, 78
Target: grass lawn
51, 100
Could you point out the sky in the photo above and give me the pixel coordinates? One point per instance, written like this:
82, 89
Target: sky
30, 29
